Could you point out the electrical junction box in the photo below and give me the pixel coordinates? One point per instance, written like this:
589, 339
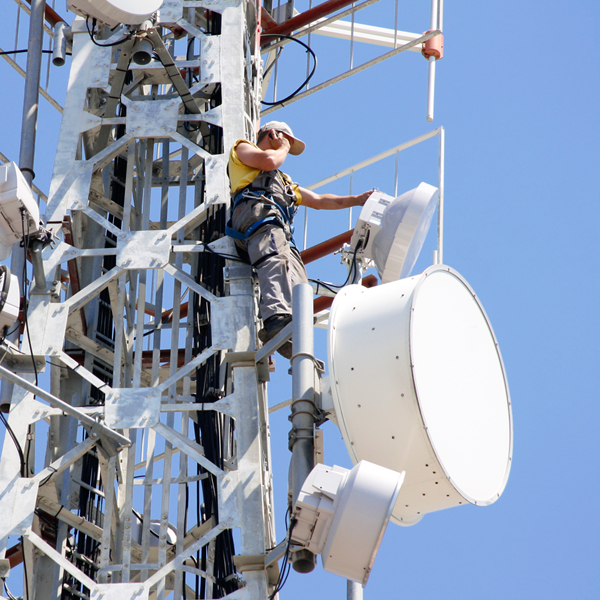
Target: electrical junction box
10, 300
19, 212
368, 224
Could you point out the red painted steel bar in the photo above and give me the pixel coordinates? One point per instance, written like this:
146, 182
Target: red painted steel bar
326, 247
51, 15
309, 16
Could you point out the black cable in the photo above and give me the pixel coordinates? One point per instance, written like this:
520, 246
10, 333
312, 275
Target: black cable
228, 256
12, 435
189, 76
351, 272
47, 479
272, 65
327, 286
125, 39
308, 49
284, 573
25, 466
15, 328
11, 597
27, 50
25, 303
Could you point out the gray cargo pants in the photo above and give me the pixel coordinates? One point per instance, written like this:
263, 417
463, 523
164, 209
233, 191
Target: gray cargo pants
278, 266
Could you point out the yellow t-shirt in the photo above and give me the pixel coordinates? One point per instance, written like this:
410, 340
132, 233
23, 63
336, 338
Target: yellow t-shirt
241, 175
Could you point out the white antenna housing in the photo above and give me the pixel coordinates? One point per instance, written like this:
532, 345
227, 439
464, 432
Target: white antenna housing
419, 386
115, 12
10, 299
19, 212
393, 230
342, 515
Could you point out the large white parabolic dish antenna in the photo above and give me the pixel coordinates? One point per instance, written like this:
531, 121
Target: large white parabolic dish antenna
418, 385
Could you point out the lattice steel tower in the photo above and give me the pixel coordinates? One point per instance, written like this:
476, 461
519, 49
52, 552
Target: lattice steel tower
156, 405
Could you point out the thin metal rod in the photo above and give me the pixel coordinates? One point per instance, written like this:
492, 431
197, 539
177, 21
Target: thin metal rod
433, 17
440, 250
352, 39
17, 26
433, 24
350, 209
305, 228
396, 175
430, 88
358, 69
374, 159
21, 72
66, 408
307, 56
396, 24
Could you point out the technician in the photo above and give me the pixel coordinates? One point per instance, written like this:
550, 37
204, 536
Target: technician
264, 201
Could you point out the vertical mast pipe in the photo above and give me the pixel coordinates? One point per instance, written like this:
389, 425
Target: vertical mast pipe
32, 84
302, 441
27, 150
354, 590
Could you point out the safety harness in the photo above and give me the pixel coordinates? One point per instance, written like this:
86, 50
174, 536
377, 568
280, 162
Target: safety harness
271, 189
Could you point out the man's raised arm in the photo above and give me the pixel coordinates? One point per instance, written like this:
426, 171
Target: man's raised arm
270, 154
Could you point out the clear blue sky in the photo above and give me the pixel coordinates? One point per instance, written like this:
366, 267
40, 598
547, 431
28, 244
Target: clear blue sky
517, 92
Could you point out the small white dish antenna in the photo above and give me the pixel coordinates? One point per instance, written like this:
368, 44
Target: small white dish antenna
115, 12
418, 385
393, 231
342, 515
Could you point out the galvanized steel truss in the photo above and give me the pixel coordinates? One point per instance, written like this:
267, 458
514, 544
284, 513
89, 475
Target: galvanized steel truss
140, 378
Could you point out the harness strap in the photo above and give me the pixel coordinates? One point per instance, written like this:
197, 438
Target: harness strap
238, 235
247, 195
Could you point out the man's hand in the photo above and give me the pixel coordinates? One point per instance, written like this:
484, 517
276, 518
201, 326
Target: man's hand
362, 198
270, 154
279, 140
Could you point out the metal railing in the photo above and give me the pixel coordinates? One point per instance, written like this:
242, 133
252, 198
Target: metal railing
333, 26
349, 172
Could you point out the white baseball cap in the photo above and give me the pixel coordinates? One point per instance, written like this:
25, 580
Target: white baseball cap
297, 146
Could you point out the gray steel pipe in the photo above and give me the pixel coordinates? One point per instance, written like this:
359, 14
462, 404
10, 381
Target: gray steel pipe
27, 150
59, 48
354, 590
302, 440
32, 85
